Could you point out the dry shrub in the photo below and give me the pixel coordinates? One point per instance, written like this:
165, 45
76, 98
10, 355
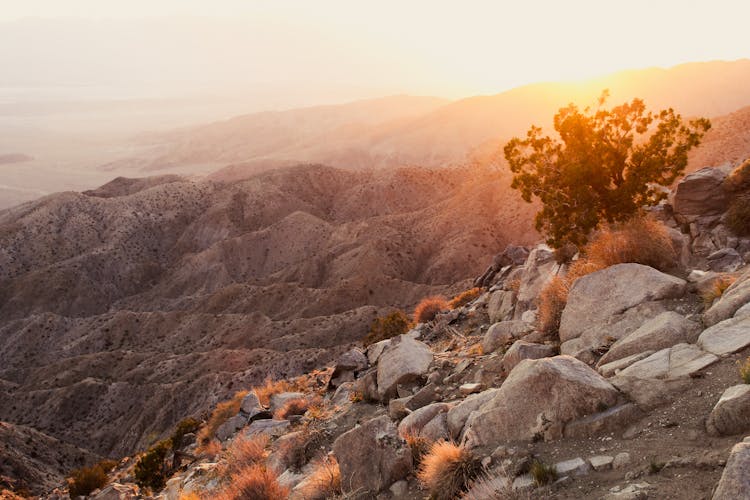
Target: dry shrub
243, 452
256, 482
296, 406
386, 327
324, 481
465, 297
271, 387
542, 473
298, 450
419, 446
223, 412
552, 300
640, 239
210, 449
429, 307
87, 479
717, 289
448, 470
745, 370
739, 178
738, 216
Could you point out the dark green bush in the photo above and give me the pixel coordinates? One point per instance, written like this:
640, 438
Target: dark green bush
186, 426
738, 215
87, 479
150, 470
385, 327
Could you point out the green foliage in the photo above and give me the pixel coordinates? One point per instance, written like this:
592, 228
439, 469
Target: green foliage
186, 426
385, 327
744, 369
150, 470
87, 479
738, 215
603, 167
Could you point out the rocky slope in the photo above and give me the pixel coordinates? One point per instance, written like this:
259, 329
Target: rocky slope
127, 307
643, 401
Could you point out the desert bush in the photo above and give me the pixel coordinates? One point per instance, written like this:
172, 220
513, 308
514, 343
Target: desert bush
298, 450
150, 470
739, 178
210, 449
185, 426
552, 300
296, 406
243, 452
429, 307
565, 253
223, 412
465, 297
386, 327
269, 388
717, 289
542, 473
745, 370
738, 215
448, 470
256, 482
640, 239
87, 479
323, 482
419, 446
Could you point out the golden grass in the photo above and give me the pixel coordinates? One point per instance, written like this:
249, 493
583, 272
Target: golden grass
717, 289
744, 369
271, 387
429, 307
386, 327
465, 297
243, 452
447, 470
323, 482
552, 300
296, 406
419, 446
210, 449
223, 412
256, 482
542, 473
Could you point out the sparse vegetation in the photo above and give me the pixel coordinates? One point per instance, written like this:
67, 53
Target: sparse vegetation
87, 479
429, 307
418, 445
256, 482
739, 178
448, 470
738, 215
717, 289
640, 240
150, 470
496, 487
298, 450
296, 406
465, 297
243, 452
324, 481
542, 473
744, 368
386, 327
603, 166
223, 412
185, 426
269, 388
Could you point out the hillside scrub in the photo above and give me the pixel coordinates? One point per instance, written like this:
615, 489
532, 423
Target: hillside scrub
639, 240
223, 412
448, 470
243, 452
324, 481
87, 479
150, 471
465, 297
429, 307
256, 482
386, 327
738, 215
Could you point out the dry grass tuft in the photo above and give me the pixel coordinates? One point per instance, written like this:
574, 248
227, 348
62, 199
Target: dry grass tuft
386, 327
298, 450
429, 307
210, 449
296, 406
745, 370
448, 470
271, 387
244, 452
542, 473
552, 301
739, 178
738, 215
86, 479
256, 482
464, 298
223, 412
475, 350
498, 487
419, 446
324, 481
717, 289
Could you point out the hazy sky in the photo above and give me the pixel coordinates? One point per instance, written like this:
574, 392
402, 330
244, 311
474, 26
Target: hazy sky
347, 48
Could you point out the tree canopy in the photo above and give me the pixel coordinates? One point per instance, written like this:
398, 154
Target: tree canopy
603, 165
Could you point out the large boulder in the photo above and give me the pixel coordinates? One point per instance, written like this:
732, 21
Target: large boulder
701, 193
735, 481
665, 330
458, 415
536, 401
725, 260
347, 367
371, 457
521, 350
402, 362
413, 423
729, 415
733, 298
500, 306
726, 337
503, 333
613, 302
538, 270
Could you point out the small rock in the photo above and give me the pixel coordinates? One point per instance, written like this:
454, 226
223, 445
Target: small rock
575, 467
524, 482
601, 462
621, 460
467, 389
